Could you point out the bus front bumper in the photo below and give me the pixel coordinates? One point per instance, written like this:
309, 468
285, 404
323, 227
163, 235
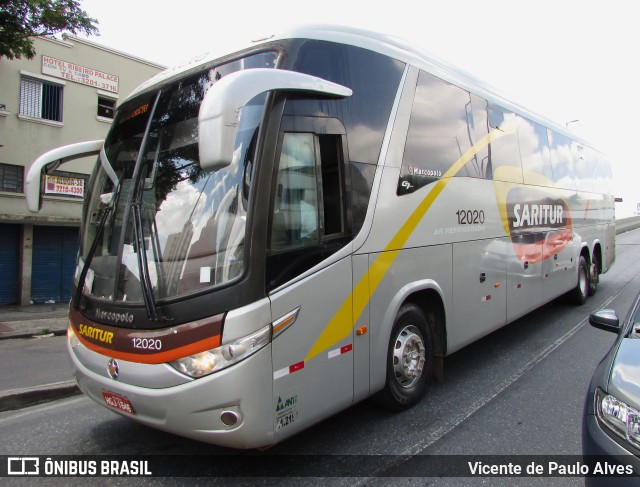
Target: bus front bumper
233, 407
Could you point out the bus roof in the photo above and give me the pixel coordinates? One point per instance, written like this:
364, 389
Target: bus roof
385, 44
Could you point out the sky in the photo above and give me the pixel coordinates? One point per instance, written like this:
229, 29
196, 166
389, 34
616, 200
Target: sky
565, 59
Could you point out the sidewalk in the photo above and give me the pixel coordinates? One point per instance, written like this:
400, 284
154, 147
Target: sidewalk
37, 319
20, 326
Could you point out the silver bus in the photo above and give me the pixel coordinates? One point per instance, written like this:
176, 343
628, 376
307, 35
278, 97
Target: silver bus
273, 235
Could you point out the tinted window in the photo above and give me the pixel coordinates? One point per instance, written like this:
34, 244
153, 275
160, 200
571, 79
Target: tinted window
295, 217
308, 207
602, 182
374, 79
562, 160
585, 167
446, 122
309, 221
439, 133
534, 152
504, 153
362, 176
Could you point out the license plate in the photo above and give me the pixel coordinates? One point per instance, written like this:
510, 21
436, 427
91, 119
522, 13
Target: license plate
117, 401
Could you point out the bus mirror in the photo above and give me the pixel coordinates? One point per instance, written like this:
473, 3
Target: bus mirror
221, 107
49, 162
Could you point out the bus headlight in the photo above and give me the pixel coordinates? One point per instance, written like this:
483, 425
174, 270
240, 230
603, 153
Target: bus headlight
619, 417
211, 361
72, 338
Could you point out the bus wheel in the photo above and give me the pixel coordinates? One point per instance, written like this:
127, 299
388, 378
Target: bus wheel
581, 291
409, 359
594, 276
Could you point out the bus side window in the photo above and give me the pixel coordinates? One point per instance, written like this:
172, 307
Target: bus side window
295, 215
309, 218
534, 150
504, 150
563, 160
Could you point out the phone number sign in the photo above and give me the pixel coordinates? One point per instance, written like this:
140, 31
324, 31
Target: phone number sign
61, 185
79, 74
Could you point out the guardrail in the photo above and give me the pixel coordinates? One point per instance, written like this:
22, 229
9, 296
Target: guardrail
627, 224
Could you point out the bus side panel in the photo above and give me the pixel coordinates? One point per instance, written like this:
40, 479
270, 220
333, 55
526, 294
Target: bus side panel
479, 289
524, 278
313, 357
560, 269
609, 254
362, 326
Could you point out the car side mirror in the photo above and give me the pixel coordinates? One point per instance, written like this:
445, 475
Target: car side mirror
605, 319
221, 108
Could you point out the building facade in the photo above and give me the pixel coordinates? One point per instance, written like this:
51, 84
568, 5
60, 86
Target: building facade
67, 93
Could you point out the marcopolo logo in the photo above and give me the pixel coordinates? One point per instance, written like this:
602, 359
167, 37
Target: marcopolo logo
114, 317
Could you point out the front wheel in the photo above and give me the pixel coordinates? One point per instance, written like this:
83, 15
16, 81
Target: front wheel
409, 360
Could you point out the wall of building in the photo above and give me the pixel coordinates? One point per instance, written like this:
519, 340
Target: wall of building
82, 73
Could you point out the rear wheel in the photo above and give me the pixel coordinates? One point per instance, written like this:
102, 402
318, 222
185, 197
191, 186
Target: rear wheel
409, 359
594, 276
581, 291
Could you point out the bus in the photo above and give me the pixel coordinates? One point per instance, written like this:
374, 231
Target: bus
272, 235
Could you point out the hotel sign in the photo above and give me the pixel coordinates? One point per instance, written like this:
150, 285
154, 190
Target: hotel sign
79, 74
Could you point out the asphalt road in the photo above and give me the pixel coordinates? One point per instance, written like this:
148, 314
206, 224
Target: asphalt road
519, 391
34, 361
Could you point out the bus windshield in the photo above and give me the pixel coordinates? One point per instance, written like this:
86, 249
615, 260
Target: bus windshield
155, 222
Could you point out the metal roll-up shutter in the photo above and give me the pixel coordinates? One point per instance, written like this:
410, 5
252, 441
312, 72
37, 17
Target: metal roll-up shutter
54, 257
9, 263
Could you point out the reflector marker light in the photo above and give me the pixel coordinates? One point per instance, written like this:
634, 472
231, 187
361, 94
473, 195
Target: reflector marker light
288, 370
362, 330
281, 324
340, 351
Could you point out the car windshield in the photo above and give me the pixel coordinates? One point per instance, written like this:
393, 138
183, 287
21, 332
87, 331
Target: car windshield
153, 215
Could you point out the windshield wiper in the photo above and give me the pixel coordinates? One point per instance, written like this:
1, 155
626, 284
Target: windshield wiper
87, 263
108, 168
145, 279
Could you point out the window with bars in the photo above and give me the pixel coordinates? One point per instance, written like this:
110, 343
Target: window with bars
40, 99
11, 178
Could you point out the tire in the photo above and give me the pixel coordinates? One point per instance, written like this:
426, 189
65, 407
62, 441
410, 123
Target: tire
580, 293
594, 276
410, 360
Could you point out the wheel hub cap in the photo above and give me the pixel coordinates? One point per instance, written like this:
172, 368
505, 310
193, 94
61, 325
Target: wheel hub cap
408, 356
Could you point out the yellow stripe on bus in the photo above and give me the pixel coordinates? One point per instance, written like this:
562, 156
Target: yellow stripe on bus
342, 323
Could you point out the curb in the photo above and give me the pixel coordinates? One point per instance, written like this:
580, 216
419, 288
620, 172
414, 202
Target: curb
31, 396
31, 334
